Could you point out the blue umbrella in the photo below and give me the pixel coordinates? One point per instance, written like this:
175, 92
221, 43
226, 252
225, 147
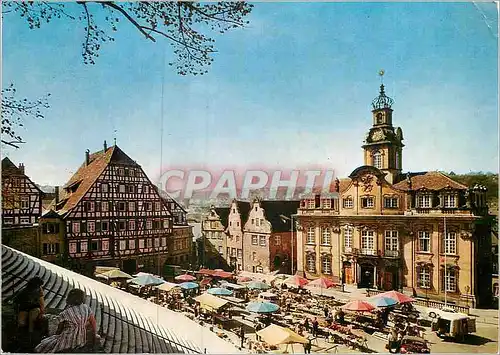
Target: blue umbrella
218, 291
381, 301
262, 307
147, 280
258, 285
188, 285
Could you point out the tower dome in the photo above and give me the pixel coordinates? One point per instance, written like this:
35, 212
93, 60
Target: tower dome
382, 100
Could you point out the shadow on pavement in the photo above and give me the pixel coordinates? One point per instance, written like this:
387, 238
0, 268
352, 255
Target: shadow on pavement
472, 339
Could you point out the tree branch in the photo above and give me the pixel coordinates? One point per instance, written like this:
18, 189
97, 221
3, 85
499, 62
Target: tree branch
173, 39
130, 18
13, 143
88, 27
211, 16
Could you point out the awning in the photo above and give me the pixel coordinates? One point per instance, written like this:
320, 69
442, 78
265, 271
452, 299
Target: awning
276, 335
167, 286
211, 302
233, 286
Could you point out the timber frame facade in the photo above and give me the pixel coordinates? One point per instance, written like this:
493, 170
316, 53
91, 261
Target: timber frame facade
114, 215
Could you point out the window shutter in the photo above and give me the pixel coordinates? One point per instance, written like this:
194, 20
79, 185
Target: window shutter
98, 226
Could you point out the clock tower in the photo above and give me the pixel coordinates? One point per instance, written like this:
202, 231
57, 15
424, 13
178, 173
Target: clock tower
383, 145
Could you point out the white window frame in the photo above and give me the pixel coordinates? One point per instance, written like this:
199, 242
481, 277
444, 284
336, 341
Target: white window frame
157, 206
75, 227
149, 242
277, 240
311, 204
326, 236
450, 280
25, 202
25, 220
424, 277
123, 245
348, 231
424, 201
311, 235
255, 239
326, 203
131, 225
391, 241
311, 263
104, 188
8, 220
104, 206
326, 265
449, 201
141, 243
450, 243
390, 202
377, 160
262, 240
90, 227
368, 240
84, 247
121, 188
131, 244
348, 202
370, 201
149, 224
131, 206
424, 239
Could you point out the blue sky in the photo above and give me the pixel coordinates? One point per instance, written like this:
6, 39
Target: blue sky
293, 88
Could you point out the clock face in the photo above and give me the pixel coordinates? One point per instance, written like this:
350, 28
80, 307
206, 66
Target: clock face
378, 135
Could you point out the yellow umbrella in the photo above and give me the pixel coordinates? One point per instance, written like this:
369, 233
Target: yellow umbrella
115, 274
167, 286
276, 335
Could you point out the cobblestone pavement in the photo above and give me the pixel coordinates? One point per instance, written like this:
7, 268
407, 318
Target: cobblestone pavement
485, 340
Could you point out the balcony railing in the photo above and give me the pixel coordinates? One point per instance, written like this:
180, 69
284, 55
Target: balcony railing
391, 253
348, 250
368, 252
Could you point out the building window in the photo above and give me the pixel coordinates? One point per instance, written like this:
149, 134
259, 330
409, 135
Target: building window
325, 236
131, 172
347, 202
396, 158
450, 280
157, 206
90, 206
311, 204
123, 245
157, 242
254, 256
83, 247
122, 226
121, 171
72, 248
25, 203
104, 226
450, 201
149, 206
233, 251
90, 227
156, 224
104, 188
391, 243
348, 239
255, 240
121, 206
424, 201
163, 241
149, 242
121, 189
277, 239
450, 243
424, 241
51, 228
377, 160
424, 277
327, 203
311, 263
94, 245
495, 290
257, 222
8, 220
149, 224
262, 241
141, 243
146, 189
50, 248
240, 253
311, 235
76, 227
326, 265
367, 202
165, 223
25, 220
131, 206
368, 242
390, 202
131, 225
220, 249
131, 189
131, 244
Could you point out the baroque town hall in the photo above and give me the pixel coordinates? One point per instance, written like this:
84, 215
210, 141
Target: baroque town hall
420, 232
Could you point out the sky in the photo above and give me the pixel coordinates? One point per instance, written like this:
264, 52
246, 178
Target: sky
293, 88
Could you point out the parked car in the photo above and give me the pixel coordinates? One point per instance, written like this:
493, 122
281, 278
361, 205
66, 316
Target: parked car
414, 345
453, 325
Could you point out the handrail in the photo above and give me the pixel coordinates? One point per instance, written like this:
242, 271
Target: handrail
101, 331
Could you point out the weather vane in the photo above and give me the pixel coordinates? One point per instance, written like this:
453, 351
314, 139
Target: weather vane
381, 74
115, 137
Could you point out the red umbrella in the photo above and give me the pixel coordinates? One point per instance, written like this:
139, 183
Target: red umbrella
222, 274
397, 296
297, 281
244, 279
185, 278
206, 272
358, 306
322, 282
205, 281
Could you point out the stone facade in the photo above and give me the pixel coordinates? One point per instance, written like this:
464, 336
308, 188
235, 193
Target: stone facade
214, 239
419, 232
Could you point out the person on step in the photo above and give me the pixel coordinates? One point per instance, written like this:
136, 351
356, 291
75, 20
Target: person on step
77, 326
31, 304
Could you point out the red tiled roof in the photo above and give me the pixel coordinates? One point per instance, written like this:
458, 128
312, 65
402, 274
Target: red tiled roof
431, 180
86, 175
344, 184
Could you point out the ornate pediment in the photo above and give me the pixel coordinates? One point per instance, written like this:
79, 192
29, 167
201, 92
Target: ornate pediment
367, 182
466, 235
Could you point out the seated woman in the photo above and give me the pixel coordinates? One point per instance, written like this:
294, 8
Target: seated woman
31, 304
77, 326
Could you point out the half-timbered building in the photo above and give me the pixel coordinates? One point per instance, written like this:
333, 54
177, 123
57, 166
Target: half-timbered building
21, 198
114, 215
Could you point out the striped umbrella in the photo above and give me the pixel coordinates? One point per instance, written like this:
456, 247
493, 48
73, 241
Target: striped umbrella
381, 301
398, 296
358, 306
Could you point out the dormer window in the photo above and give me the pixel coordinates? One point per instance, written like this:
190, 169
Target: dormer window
390, 202
424, 201
450, 201
367, 202
377, 160
347, 202
311, 204
327, 203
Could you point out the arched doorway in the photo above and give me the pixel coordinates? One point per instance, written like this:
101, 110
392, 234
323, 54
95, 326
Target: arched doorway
391, 278
366, 276
347, 273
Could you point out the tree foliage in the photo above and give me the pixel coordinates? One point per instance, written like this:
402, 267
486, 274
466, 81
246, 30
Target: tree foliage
14, 111
184, 24
489, 180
